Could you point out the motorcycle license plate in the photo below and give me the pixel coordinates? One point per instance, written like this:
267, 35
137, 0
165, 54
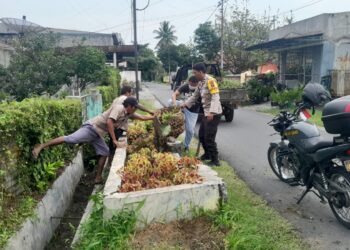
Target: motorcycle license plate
347, 165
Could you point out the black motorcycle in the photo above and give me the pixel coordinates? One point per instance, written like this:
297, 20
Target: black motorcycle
303, 158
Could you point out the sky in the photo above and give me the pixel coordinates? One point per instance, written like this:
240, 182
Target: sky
109, 16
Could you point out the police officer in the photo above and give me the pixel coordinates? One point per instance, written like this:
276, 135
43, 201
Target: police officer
208, 91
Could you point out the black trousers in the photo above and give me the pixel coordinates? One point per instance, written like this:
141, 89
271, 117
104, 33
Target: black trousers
207, 135
118, 133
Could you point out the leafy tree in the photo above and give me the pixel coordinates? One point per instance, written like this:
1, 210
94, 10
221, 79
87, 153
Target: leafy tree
165, 34
187, 54
4, 81
88, 65
207, 41
179, 55
169, 57
36, 67
242, 30
149, 64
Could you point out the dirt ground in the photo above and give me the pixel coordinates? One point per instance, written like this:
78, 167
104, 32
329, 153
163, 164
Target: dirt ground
64, 234
198, 234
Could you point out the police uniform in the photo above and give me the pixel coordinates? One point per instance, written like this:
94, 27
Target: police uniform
208, 91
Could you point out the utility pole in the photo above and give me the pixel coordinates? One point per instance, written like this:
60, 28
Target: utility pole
136, 52
222, 35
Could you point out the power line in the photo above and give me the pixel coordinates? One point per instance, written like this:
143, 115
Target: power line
296, 9
155, 19
212, 13
179, 18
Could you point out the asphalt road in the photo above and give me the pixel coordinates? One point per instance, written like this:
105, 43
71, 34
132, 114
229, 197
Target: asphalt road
244, 143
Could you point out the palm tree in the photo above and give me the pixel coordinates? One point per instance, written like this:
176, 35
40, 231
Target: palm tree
165, 34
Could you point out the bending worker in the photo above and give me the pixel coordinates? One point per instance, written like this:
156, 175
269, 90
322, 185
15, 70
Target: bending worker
94, 130
191, 114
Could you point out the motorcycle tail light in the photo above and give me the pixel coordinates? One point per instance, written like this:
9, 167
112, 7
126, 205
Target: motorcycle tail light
347, 108
348, 152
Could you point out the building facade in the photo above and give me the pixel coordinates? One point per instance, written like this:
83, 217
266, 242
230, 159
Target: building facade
316, 49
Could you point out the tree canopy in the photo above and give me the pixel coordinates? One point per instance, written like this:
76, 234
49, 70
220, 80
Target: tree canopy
207, 41
37, 66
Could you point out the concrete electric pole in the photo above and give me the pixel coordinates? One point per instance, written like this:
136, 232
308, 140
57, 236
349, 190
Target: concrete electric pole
134, 9
136, 52
222, 36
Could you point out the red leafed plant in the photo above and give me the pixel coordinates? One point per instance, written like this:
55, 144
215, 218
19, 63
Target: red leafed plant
150, 169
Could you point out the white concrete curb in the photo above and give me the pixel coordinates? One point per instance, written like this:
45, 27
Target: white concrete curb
36, 232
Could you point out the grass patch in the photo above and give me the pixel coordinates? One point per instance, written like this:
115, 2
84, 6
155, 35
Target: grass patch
316, 118
251, 223
149, 104
98, 234
14, 211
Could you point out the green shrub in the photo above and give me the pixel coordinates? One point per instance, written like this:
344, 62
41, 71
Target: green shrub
35, 121
111, 87
287, 98
258, 91
108, 95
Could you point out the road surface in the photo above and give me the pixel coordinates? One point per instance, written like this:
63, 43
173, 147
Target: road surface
244, 143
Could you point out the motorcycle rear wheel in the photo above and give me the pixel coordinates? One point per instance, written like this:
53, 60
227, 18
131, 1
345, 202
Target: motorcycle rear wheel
284, 173
342, 178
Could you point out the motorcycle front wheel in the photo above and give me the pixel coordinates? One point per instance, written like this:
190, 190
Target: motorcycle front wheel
283, 171
340, 201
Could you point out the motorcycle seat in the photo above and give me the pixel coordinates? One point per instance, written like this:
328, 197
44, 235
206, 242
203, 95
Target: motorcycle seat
313, 144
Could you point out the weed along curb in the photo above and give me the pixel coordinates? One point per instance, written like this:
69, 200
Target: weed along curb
162, 204
37, 231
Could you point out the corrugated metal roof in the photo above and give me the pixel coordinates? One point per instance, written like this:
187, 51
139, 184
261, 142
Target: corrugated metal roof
288, 42
6, 30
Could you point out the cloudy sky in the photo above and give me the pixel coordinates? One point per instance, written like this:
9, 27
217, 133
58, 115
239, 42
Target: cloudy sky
115, 15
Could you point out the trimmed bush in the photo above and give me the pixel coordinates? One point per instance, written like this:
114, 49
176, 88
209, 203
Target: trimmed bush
24, 124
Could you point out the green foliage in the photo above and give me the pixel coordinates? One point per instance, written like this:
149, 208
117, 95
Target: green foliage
165, 34
88, 65
111, 77
35, 121
149, 64
108, 95
229, 84
287, 98
36, 67
11, 219
243, 29
111, 90
258, 91
43, 174
249, 222
178, 55
207, 41
112, 234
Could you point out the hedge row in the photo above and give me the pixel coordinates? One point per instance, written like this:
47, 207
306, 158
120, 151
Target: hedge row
35, 121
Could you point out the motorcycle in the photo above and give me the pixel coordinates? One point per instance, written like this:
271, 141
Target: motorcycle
303, 158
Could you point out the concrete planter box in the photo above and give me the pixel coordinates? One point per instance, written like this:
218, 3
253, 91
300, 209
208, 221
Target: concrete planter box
162, 204
36, 232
